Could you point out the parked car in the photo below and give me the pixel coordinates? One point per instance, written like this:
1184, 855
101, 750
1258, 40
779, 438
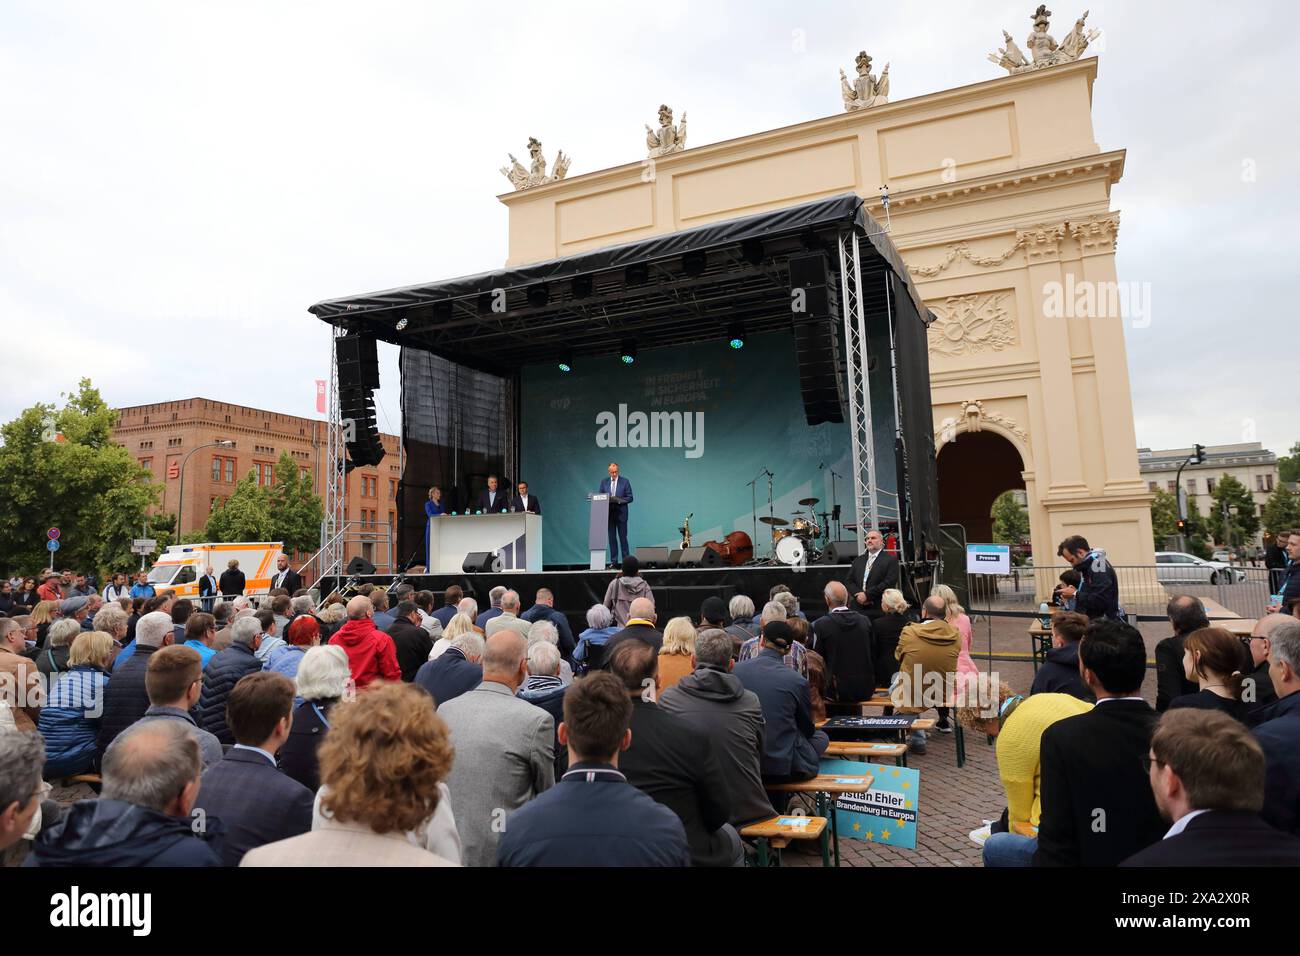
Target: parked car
1175, 567
1221, 555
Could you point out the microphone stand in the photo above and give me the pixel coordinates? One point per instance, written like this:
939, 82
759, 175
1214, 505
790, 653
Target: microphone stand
835, 507
753, 509
770, 512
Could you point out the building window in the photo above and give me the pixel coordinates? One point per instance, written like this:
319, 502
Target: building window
230, 469
1211, 484
1172, 486
175, 442
392, 520
1191, 486
1268, 482
216, 468
1152, 486
212, 505
304, 474
146, 445
392, 488
146, 463
369, 486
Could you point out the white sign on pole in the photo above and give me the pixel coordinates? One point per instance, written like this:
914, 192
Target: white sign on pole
149, 543
988, 559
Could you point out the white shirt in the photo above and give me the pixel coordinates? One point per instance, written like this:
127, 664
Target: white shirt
524, 499
1181, 823
268, 756
613, 486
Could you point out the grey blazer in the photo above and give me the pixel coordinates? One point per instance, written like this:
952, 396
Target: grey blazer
504, 758
342, 844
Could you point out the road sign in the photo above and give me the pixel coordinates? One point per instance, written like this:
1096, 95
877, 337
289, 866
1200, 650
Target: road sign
53, 544
149, 544
53, 535
138, 549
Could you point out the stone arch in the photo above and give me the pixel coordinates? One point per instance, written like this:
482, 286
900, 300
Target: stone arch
972, 471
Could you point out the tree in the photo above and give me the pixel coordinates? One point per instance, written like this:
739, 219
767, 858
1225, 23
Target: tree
296, 510
1282, 510
59, 467
1288, 466
1242, 523
1164, 518
1010, 520
244, 516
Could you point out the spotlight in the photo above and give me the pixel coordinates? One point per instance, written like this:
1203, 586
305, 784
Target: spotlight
581, 286
566, 360
638, 273
736, 335
693, 263
402, 321
627, 355
538, 295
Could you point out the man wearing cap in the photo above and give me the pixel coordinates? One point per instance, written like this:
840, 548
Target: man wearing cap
792, 744
74, 607
50, 589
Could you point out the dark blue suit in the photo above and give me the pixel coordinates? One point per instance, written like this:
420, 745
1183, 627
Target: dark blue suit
449, 676
617, 516
541, 612
501, 503
255, 801
1279, 735
593, 817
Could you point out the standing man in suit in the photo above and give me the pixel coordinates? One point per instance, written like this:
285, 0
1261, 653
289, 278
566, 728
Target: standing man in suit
246, 790
285, 576
208, 589
620, 496
524, 501
1207, 774
491, 500
1098, 809
872, 574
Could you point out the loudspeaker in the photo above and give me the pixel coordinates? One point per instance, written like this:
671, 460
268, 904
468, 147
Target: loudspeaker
841, 552
674, 557
481, 562
821, 381
359, 566
652, 557
358, 361
809, 269
700, 558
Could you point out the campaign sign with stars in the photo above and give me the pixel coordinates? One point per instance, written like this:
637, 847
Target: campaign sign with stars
888, 812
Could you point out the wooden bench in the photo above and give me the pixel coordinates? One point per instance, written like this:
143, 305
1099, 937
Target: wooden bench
826, 787
772, 834
865, 749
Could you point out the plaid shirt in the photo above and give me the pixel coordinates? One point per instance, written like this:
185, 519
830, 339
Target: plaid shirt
796, 659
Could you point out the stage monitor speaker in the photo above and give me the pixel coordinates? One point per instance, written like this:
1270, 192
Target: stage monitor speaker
481, 562
358, 361
700, 558
652, 557
359, 566
674, 557
841, 552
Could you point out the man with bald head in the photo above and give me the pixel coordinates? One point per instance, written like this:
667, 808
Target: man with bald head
843, 638
504, 748
1257, 688
641, 620
509, 618
372, 655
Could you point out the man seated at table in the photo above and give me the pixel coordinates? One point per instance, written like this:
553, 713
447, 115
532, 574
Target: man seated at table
792, 744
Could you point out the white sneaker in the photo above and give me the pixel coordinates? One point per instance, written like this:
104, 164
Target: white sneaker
980, 834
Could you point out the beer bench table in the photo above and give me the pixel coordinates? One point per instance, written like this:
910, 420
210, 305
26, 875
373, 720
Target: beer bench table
866, 749
827, 787
885, 702
1040, 642
778, 832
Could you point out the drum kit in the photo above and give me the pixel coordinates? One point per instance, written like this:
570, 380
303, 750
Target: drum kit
794, 540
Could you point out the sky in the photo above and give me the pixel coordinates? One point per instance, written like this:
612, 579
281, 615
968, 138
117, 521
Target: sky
179, 181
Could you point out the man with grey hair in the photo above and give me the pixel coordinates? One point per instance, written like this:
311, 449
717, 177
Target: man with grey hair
223, 673
1257, 686
509, 618
716, 705
22, 757
504, 748
111, 619
126, 697
741, 610
467, 606
775, 610
842, 637
142, 818
1278, 730
21, 688
545, 631
53, 657
546, 686
591, 642
455, 671
494, 597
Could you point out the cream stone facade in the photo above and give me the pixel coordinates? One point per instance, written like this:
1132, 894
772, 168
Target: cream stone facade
999, 202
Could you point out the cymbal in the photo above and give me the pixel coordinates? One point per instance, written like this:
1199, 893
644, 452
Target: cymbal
776, 522
808, 502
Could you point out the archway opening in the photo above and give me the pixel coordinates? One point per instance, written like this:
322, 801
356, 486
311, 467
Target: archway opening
973, 469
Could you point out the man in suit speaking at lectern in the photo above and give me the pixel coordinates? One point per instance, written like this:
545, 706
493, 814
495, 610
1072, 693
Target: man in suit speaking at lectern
620, 496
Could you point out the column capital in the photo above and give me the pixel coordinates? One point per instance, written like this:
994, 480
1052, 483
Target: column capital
1042, 243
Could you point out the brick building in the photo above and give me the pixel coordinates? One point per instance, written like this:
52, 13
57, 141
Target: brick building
169, 437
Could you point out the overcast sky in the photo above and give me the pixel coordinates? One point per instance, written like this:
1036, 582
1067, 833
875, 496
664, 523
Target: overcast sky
181, 180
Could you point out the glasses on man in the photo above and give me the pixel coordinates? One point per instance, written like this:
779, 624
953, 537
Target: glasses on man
1148, 760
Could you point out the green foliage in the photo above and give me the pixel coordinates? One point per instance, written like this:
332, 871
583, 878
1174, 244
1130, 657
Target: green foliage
1164, 524
1288, 466
1010, 520
85, 485
244, 516
288, 511
1282, 510
1242, 516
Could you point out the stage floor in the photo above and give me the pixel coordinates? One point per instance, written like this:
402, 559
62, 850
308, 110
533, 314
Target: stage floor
677, 591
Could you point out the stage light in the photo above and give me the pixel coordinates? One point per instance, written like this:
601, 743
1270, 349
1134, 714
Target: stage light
566, 361
628, 353
736, 335
538, 295
402, 320
694, 262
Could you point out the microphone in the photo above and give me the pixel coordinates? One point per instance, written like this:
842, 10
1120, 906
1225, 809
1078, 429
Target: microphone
821, 465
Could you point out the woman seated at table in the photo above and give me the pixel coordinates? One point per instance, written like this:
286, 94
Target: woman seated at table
1217, 662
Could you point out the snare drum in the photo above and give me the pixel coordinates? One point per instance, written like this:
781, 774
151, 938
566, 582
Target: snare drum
806, 528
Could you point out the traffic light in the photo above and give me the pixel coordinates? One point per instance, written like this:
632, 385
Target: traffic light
1199, 454
1182, 525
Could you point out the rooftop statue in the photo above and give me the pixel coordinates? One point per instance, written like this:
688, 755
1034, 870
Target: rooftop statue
668, 138
866, 90
535, 175
1044, 51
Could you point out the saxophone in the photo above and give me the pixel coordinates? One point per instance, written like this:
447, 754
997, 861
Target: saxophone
685, 529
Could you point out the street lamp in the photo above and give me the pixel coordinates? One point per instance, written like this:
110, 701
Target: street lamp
180, 497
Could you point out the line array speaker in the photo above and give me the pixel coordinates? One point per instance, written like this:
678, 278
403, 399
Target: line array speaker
358, 361
815, 306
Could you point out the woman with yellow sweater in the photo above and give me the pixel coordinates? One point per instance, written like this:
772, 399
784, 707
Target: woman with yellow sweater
1019, 725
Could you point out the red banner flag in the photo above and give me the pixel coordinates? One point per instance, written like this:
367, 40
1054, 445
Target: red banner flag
320, 395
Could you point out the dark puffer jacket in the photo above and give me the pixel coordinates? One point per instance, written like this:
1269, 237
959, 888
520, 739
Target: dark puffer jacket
115, 833
125, 698
219, 679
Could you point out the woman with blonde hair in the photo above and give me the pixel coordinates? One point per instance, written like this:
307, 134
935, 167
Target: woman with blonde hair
955, 615
676, 654
44, 614
70, 718
885, 631
458, 625
382, 800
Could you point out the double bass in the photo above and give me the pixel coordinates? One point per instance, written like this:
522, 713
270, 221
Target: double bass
735, 549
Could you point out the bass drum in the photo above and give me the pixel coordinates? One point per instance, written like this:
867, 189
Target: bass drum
790, 550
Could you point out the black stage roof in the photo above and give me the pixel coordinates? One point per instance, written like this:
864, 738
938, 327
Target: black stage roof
591, 302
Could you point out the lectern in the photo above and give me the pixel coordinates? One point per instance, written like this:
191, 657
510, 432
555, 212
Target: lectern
598, 530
